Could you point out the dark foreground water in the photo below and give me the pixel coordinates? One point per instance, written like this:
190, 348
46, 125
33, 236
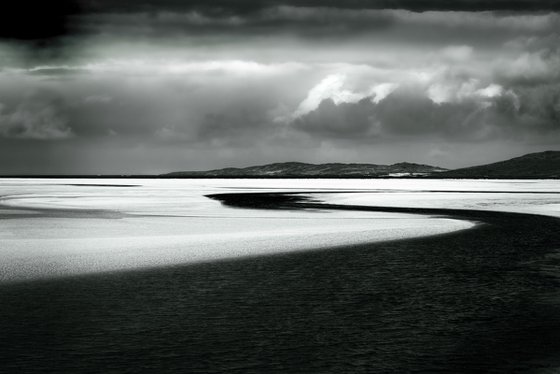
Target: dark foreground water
481, 300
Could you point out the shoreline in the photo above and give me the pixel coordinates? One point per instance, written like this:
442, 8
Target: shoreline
469, 301
47, 256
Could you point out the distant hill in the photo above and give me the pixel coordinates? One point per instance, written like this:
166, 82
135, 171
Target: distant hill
534, 165
299, 169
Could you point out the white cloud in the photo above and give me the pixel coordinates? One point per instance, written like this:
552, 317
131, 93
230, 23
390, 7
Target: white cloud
455, 92
333, 87
493, 90
174, 67
330, 87
439, 93
381, 91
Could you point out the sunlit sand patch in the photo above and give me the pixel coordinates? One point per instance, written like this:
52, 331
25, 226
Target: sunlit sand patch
171, 222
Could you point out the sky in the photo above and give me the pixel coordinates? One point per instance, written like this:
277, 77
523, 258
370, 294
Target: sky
144, 87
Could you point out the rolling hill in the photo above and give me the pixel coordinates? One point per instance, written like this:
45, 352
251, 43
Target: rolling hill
533, 165
303, 170
540, 165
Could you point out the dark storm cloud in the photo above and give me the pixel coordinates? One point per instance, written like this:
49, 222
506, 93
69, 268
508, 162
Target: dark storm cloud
314, 22
238, 128
540, 106
248, 6
40, 116
346, 120
36, 20
42, 20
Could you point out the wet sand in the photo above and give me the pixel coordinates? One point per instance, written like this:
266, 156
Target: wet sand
478, 300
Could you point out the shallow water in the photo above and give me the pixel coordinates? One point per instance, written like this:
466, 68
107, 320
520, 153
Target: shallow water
479, 300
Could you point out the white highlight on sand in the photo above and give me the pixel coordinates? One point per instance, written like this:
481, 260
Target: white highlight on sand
170, 222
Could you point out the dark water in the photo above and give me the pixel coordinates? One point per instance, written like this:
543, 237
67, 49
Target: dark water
482, 300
